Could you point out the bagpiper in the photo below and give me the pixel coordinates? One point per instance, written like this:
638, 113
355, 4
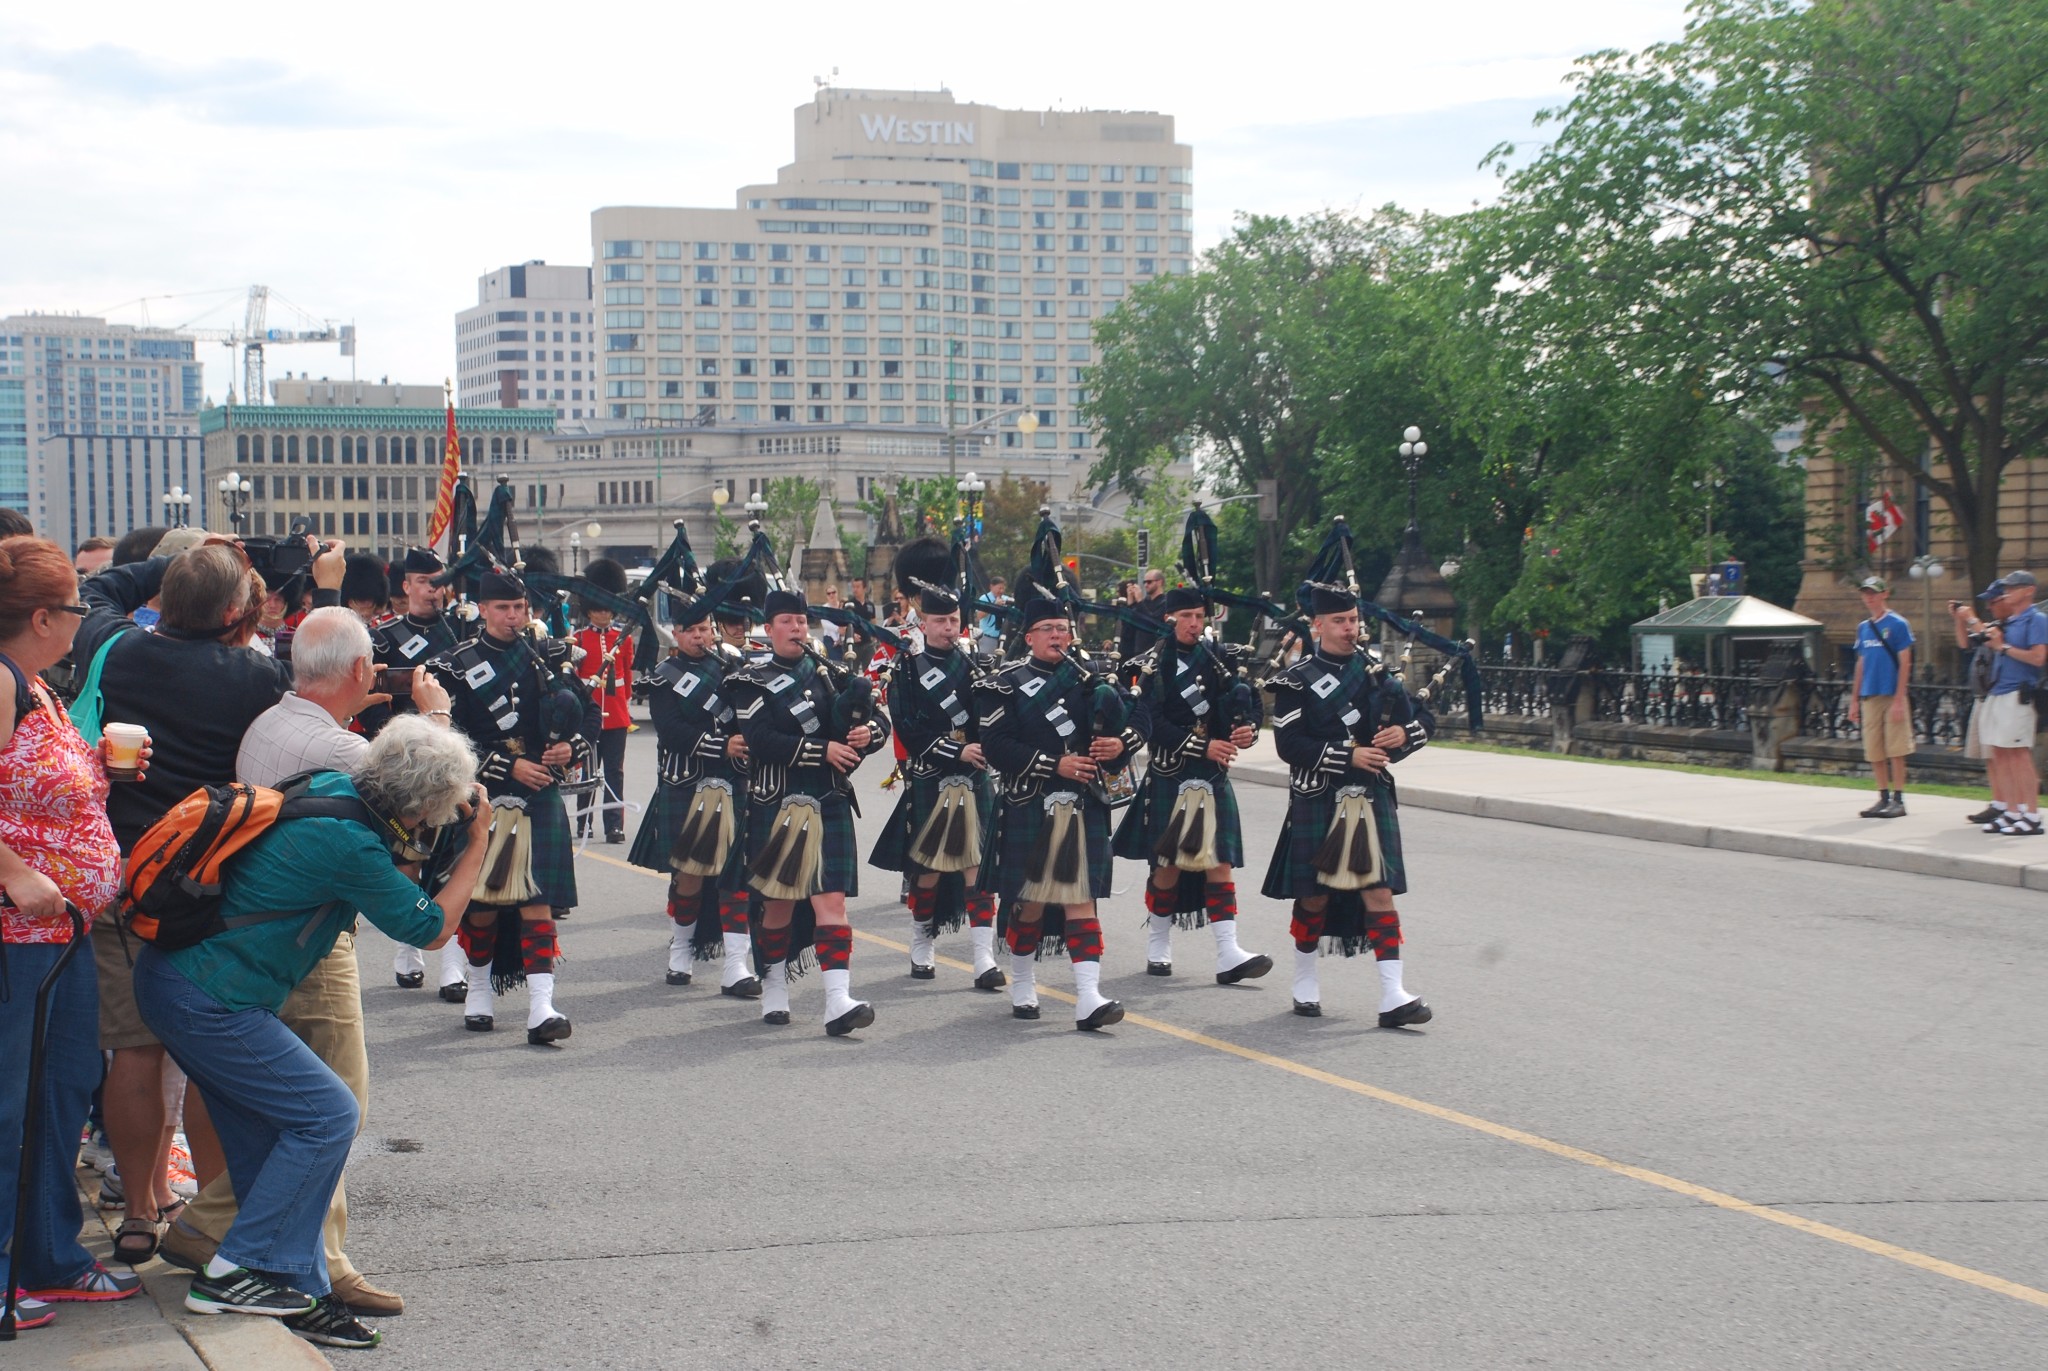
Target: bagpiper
807, 726
1340, 720
1184, 824
606, 666
934, 836
1053, 730
696, 821
517, 698
407, 641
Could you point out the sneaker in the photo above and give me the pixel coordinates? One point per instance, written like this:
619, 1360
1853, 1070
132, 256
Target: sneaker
1984, 815
243, 1291
1894, 808
114, 1196
184, 1180
31, 1313
1876, 811
330, 1324
95, 1283
94, 1153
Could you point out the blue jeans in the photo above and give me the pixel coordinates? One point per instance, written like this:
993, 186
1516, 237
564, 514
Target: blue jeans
46, 1241
285, 1120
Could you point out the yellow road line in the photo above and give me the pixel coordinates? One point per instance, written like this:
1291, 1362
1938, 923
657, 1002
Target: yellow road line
1876, 1247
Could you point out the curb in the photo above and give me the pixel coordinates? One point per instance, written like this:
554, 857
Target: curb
1724, 837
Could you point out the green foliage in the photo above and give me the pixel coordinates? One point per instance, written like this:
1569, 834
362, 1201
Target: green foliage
792, 505
923, 505
1009, 518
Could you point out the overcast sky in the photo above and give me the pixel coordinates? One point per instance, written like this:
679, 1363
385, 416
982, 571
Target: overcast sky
368, 162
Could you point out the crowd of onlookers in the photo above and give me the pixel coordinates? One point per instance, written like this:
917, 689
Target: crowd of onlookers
138, 673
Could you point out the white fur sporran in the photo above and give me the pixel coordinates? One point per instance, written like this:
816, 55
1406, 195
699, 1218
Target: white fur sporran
787, 865
950, 839
1349, 858
1189, 840
1057, 870
705, 839
507, 873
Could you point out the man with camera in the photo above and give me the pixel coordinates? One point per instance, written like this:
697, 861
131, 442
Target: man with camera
2017, 636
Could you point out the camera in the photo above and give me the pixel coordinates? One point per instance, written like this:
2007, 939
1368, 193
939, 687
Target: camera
1977, 637
394, 681
278, 560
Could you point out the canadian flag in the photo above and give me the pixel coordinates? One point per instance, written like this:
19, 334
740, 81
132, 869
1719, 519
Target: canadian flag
1883, 518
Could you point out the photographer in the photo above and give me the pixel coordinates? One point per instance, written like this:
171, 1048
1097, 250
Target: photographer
195, 687
2018, 640
285, 1119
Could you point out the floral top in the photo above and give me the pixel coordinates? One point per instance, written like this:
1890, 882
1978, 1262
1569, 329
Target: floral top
53, 814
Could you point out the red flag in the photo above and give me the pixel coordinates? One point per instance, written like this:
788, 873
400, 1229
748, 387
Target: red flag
444, 493
1884, 519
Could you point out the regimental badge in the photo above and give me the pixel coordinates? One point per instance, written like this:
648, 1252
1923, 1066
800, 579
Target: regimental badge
686, 684
1324, 686
479, 676
414, 646
781, 683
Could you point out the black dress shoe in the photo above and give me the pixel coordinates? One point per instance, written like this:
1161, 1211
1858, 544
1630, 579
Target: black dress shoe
1158, 968
1876, 811
1110, 1013
455, 992
991, 979
1023, 1011
1308, 1009
552, 1029
411, 980
478, 1023
923, 973
778, 1017
860, 1016
1415, 1011
748, 989
678, 978
1249, 970
1984, 815
615, 838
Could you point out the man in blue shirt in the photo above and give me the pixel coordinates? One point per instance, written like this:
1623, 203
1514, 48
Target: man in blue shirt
2019, 644
1880, 698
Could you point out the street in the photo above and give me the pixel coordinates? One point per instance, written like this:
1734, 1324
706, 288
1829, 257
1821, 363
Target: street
1217, 1182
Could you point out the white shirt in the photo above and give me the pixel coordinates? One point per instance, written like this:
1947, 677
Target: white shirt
296, 735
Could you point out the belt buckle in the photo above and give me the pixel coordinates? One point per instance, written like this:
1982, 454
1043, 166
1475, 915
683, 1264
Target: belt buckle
516, 746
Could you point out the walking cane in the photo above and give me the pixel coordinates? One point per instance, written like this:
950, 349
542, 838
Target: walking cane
31, 1117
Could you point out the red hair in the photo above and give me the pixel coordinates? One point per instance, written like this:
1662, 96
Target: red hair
34, 574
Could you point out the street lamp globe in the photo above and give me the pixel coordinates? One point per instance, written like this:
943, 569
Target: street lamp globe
719, 495
1411, 434
1027, 423
1451, 567
593, 530
1926, 568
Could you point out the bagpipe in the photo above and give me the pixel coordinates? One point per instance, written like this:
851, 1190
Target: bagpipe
853, 693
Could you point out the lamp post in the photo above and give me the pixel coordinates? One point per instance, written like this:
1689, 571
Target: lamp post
1926, 569
575, 553
1413, 450
176, 503
971, 487
1027, 424
234, 493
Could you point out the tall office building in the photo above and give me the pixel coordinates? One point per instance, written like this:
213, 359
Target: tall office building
72, 376
921, 264
529, 342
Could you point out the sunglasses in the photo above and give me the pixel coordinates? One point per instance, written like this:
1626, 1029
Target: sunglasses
80, 610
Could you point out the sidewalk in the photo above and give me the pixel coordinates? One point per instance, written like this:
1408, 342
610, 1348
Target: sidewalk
152, 1331
1816, 823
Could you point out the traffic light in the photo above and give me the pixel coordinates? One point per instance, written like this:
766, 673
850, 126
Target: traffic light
1074, 566
1144, 548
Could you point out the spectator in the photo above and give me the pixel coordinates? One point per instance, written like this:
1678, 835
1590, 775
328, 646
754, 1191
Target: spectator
94, 555
988, 628
1133, 640
307, 731
2019, 645
15, 524
55, 845
1880, 696
285, 1119
197, 689
859, 647
138, 544
1982, 667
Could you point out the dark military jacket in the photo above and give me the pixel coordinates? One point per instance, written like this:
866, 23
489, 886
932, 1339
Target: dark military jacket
1325, 706
501, 696
788, 712
1033, 714
693, 719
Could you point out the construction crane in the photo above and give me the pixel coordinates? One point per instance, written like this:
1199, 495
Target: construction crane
254, 334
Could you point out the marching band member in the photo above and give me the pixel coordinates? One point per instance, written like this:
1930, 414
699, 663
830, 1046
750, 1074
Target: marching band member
606, 668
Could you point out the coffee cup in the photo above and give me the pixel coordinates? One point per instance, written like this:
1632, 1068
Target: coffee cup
124, 750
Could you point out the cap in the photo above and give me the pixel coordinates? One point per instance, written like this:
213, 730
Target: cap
2014, 579
785, 602
422, 561
1324, 598
179, 540
1874, 584
1992, 591
500, 585
1183, 597
1041, 609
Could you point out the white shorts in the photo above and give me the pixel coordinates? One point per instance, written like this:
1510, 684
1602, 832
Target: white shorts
2006, 722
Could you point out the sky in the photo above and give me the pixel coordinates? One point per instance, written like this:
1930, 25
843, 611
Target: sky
369, 162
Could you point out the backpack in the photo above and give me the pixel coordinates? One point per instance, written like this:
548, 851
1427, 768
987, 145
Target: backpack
172, 893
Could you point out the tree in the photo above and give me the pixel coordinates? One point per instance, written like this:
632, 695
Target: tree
1839, 201
792, 505
1009, 518
926, 504
1235, 365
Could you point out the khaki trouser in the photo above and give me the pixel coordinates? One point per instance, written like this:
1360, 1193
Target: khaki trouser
326, 1011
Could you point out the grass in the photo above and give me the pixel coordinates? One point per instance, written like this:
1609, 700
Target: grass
1953, 792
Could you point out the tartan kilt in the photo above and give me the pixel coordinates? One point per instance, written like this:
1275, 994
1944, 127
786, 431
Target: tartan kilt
1146, 817
913, 807
666, 811
838, 860
1292, 874
554, 853
1006, 857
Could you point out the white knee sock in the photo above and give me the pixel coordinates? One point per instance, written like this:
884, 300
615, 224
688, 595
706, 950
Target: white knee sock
838, 994
410, 961
540, 1002
1023, 979
454, 965
1158, 937
922, 943
482, 1000
775, 988
1392, 993
1088, 996
1305, 989
739, 953
679, 945
984, 948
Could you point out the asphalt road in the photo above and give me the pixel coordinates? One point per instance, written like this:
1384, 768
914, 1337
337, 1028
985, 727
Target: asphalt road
681, 1186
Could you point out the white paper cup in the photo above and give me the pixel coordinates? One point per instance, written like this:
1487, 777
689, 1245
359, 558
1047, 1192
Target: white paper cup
124, 750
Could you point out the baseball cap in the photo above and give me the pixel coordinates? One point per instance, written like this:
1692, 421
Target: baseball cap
1992, 591
179, 540
1875, 584
2013, 579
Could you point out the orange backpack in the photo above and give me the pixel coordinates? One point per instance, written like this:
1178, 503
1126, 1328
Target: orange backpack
171, 897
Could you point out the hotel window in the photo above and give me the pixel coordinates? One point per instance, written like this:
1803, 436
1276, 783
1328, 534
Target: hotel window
622, 247
742, 252
1112, 174
1041, 171
1077, 173
705, 252
1145, 174
668, 250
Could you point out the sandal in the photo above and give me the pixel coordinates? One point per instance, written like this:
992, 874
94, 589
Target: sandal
171, 1211
135, 1242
